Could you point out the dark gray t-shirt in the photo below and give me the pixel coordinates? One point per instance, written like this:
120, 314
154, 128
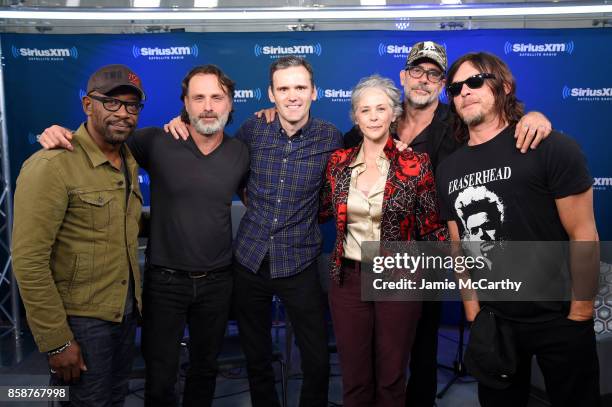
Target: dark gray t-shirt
191, 198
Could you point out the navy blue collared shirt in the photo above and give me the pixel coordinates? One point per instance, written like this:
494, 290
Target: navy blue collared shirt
283, 194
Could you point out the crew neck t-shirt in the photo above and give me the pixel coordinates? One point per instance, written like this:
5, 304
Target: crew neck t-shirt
494, 192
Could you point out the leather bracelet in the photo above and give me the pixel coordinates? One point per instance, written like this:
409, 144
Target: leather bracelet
60, 349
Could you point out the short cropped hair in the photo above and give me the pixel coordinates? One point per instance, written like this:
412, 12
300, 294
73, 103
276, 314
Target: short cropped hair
289, 62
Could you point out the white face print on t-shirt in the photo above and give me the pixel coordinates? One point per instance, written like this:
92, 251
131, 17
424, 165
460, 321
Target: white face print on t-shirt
482, 215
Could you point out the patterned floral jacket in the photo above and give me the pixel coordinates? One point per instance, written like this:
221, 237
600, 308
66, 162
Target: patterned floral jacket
410, 204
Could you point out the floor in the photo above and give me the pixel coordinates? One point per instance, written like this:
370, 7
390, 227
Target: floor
232, 386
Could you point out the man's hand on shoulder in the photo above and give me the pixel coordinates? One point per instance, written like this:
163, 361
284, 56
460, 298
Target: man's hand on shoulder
177, 128
269, 114
401, 146
531, 130
56, 137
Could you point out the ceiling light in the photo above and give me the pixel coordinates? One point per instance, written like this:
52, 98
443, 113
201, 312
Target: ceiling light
303, 13
147, 3
205, 3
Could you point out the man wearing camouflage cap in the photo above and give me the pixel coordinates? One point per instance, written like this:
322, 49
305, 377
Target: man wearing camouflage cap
427, 127
75, 245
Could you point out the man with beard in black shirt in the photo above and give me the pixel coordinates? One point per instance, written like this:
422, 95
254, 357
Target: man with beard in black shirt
545, 195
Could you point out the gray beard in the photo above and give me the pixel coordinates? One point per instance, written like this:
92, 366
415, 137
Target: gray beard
209, 129
422, 102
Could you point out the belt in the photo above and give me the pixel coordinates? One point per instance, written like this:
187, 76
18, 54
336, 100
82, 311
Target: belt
187, 274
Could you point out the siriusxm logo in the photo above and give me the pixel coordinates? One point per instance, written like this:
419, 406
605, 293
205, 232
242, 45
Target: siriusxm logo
167, 53
587, 94
399, 51
602, 184
336, 95
243, 95
45, 54
278, 51
545, 49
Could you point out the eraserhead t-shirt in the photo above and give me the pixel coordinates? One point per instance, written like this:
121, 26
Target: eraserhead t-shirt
494, 192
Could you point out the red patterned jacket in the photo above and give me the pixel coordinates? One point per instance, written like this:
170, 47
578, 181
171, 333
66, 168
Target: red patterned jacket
410, 205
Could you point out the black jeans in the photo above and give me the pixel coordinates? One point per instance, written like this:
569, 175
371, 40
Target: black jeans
171, 300
423, 382
566, 353
108, 350
304, 301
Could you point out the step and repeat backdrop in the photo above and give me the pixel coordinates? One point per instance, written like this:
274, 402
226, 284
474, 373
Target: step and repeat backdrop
566, 74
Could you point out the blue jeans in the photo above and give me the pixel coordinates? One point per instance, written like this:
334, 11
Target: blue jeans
171, 300
108, 350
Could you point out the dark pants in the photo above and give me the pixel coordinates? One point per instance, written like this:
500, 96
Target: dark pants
566, 353
374, 341
304, 301
423, 382
108, 350
171, 300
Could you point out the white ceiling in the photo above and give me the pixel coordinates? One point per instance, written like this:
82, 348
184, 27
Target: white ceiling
60, 27
248, 3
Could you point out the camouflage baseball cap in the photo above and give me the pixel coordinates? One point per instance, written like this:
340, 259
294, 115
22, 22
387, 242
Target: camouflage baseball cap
110, 77
428, 50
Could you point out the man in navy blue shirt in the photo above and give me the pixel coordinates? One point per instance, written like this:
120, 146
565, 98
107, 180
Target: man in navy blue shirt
279, 240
